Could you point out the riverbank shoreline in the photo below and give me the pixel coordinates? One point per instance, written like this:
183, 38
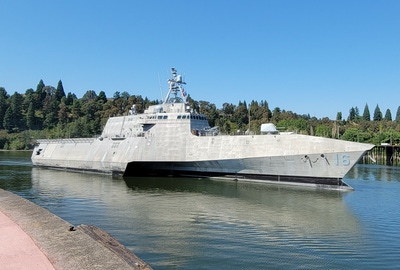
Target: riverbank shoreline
35, 236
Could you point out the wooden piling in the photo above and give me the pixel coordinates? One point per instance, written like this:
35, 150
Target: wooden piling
383, 155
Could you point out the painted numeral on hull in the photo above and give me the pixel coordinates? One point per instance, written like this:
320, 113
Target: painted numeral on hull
342, 159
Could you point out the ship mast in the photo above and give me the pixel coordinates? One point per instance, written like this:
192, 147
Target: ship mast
175, 87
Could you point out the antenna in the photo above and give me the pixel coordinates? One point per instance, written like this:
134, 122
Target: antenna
249, 121
175, 88
159, 83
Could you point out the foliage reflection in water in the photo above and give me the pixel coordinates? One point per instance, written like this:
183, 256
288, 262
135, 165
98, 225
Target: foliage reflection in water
185, 222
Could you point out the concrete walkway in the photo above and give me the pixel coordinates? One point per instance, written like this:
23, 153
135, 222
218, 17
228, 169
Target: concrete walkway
17, 249
33, 238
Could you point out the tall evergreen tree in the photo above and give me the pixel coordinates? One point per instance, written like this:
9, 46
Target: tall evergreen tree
228, 108
30, 116
125, 95
76, 109
102, 97
241, 115
339, 116
50, 120
50, 107
388, 115
117, 95
89, 96
16, 101
28, 99
276, 114
352, 114
40, 86
267, 112
70, 98
366, 114
7, 121
398, 115
41, 94
62, 114
357, 111
3, 105
377, 114
59, 94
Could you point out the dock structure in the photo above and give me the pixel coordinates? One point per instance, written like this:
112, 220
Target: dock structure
34, 238
386, 154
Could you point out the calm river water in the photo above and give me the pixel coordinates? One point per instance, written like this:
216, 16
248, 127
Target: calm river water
179, 223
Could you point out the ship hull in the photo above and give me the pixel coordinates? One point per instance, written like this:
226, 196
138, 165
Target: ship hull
200, 170
285, 159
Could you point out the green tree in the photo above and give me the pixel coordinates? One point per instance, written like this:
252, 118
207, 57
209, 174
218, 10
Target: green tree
377, 114
298, 125
241, 116
78, 128
90, 95
397, 115
50, 107
59, 93
267, 114
228, 109
28, 99
339, 116
16, 101
125, 95
70, 99
209, 110
7, 122
366, 115
102, 97
121, 104
276, 114
40, 86
30, 116
323, 131
40, 94
62, 115
3, 105
30, 106
352, 114
351, 134
76, 109
357, 111
117, 95
388, 115
50, 120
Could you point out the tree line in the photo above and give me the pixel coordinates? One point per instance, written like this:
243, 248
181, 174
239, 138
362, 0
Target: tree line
48, 112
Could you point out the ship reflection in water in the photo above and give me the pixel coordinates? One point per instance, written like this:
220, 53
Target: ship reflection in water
184, 223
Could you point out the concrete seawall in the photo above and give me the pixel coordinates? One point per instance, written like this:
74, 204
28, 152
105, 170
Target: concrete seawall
62, 244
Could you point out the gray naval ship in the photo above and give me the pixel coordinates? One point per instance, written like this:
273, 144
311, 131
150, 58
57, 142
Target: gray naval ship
173, 139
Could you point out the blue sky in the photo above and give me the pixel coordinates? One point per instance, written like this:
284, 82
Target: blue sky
309, 57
